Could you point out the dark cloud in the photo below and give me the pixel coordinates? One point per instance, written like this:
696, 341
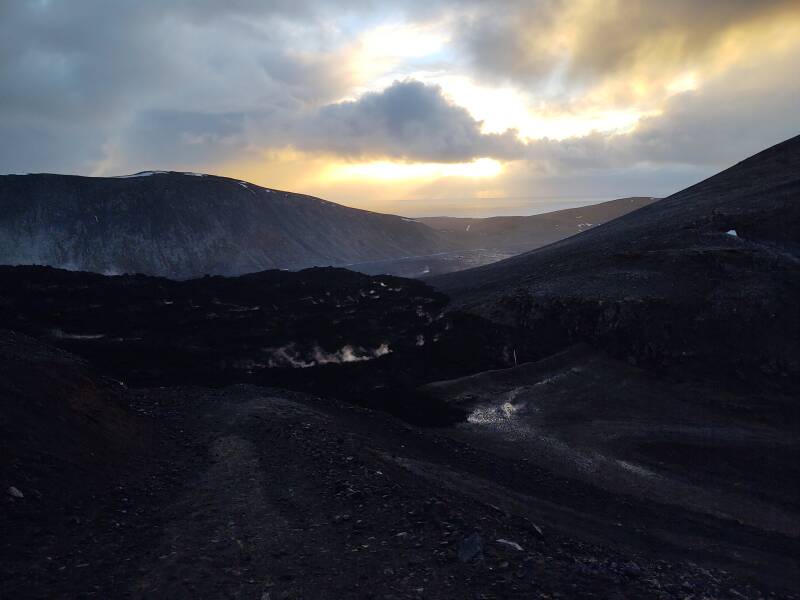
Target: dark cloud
179, 138
87, 71
729, 118
531, 42
512, 39
408, 120
724, 121
669, 35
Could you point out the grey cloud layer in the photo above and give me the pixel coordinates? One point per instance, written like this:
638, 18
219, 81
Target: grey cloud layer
89, 71
529, 42
408, 120
92, 85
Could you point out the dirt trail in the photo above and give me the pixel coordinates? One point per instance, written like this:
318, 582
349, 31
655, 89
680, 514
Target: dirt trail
231, 518
222, 520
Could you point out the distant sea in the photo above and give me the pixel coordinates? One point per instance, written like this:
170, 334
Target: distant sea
490, 207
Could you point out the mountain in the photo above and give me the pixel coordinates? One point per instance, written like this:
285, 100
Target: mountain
485, 241
183, 225
517, 234
706, 279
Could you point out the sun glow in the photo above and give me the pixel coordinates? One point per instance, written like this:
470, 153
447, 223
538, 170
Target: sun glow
686, 82
501, 108
386, 170
380, 51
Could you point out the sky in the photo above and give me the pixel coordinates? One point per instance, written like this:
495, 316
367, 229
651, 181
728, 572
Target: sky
423, 107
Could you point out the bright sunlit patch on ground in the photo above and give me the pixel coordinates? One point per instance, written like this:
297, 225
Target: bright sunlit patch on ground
387, 170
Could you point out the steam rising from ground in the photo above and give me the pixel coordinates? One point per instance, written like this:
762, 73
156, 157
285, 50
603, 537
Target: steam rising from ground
291, 356
493, 414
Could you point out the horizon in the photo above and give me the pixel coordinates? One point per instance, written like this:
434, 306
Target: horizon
425, 109
466, 208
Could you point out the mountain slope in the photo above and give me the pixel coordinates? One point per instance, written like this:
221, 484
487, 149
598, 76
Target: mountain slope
517, 233
714, 266
182, 225
485, 241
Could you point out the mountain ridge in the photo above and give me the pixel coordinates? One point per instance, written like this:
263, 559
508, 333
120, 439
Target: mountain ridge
184, 225
523, 233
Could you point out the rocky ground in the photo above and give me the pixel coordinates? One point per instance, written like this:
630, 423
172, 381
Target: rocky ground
248, 492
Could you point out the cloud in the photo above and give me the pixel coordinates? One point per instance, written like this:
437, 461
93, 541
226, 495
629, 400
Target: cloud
729, 118
408, 121
588, 42
181, 138
90, 71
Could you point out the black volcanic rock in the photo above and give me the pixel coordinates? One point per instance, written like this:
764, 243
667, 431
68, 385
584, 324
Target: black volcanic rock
372, 340
183, 225
706, 279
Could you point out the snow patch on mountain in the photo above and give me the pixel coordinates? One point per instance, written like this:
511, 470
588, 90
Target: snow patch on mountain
141, 174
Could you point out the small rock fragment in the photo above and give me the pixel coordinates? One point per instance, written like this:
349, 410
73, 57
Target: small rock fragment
509, 543
15, 493
471, 547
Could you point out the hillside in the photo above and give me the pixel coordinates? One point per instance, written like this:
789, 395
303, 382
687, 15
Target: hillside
714, 266
518, 234
184, 225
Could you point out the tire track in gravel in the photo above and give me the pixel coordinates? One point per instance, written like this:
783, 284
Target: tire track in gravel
220, 532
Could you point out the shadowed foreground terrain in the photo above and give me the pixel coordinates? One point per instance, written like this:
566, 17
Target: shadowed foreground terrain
253, 492
187, 472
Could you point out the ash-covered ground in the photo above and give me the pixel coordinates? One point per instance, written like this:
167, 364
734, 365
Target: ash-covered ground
326, 434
